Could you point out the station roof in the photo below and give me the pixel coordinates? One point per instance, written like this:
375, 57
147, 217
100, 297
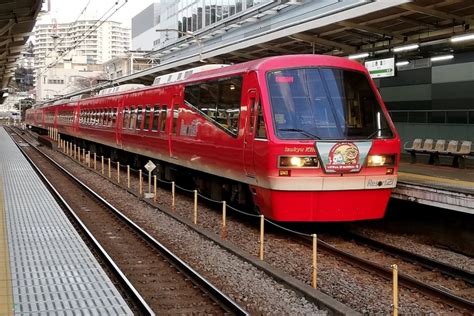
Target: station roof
374, 27
17, 19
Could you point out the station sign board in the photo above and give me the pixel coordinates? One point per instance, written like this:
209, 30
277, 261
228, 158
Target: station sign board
381, 68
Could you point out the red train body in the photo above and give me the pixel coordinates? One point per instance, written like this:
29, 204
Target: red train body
307, 135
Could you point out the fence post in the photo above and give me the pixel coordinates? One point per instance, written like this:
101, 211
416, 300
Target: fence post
395, 289
195, 206
84, 154
140, 180
128, 176
118, 172
110, 168
95, 161
173, 191
315, 261
88, 159
262, 223
223, 214
102, 164
154, 189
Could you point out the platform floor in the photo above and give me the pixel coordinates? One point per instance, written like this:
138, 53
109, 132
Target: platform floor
45, 267
439, 177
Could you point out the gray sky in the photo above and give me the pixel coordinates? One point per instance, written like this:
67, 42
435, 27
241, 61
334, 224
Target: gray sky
69, 10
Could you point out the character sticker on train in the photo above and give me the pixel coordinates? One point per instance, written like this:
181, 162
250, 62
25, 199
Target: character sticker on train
340, 157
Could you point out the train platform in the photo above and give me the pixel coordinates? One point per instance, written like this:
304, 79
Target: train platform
45, 267
441, 186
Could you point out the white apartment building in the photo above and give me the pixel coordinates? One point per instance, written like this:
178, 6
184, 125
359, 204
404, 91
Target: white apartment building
81, 38
64, 50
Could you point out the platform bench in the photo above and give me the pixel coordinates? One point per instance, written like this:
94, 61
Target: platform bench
435, 150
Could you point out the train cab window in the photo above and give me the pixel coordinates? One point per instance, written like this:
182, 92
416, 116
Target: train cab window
126, 118
260, 131
175, 117
146, 126
133, 118
139, 118
164, 111
156, 118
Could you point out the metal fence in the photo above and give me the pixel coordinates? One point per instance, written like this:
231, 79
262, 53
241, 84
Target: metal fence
433, 116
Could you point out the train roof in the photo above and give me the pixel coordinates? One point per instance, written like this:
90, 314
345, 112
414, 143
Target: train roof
278, 62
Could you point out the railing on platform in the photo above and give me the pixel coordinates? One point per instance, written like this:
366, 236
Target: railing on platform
433, 116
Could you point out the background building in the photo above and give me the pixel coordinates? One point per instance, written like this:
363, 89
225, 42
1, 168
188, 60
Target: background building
127, 64
75, 50
144, 25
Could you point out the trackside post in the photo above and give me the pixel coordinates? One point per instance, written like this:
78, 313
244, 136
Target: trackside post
262, 224
315, 261
395, 289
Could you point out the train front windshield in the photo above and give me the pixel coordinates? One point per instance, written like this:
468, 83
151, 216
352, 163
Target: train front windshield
325, 103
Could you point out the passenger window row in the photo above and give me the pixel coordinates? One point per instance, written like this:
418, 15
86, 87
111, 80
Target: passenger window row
154, 118
98, 117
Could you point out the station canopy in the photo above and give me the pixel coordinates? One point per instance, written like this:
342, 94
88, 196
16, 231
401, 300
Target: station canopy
374, 27
17, 19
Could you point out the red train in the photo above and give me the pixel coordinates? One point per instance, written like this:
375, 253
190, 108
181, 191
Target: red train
301, 137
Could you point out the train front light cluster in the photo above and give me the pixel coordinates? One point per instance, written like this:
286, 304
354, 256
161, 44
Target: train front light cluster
298, 162
380, 160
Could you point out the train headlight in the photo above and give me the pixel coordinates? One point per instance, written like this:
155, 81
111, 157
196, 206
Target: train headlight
380, 160
298, 162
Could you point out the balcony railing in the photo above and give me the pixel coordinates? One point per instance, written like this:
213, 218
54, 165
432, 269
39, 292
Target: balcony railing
433, 116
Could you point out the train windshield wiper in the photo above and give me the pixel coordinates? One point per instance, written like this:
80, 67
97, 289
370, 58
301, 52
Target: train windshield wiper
377, 131
302, 131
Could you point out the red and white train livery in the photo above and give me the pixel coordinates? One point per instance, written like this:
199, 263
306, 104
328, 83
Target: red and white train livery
302, 137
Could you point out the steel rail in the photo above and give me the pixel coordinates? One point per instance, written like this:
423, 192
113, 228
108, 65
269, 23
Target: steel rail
403, 279
222, 299
408, 256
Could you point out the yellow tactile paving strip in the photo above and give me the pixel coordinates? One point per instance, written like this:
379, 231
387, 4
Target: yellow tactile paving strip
6, 296
424, 179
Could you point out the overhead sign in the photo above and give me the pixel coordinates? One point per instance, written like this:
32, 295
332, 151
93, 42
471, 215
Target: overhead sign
381, 68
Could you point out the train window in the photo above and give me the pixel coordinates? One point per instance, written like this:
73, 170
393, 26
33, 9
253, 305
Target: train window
133, 118
252, 113
175, 117
113, 117
102, 117
139, 117
219, 101
156, 118
146, 126
126, 118
260, 131
164, 111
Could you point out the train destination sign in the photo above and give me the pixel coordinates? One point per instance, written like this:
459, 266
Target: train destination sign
381, 68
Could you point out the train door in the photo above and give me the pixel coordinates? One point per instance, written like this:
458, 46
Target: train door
173, 120
252, 102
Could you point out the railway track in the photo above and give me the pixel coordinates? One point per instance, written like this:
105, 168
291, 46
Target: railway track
157, 280
404, 280
426, 262
408, 282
